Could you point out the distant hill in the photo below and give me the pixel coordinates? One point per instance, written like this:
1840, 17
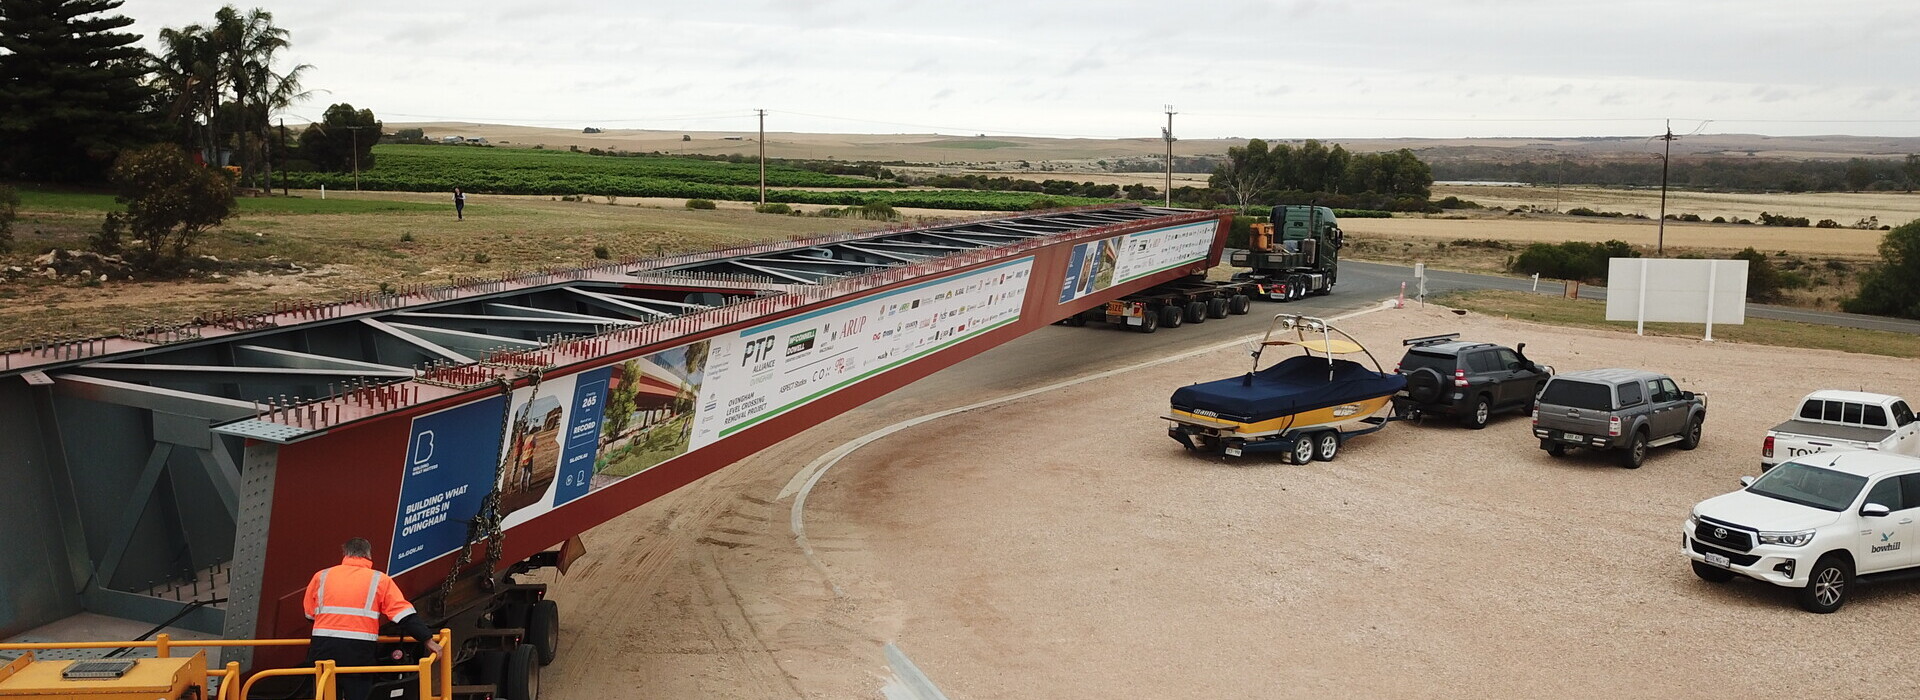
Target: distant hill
1079, 154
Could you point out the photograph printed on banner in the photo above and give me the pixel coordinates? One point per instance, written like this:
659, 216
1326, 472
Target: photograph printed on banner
650, 409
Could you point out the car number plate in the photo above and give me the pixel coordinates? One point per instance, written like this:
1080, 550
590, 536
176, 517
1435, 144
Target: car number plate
1233, 452
1572, 437
1719, 560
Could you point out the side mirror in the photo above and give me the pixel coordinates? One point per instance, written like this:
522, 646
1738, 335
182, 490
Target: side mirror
1874, 510
1746, 481
1687, 395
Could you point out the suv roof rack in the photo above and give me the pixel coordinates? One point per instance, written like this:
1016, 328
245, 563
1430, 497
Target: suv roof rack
1430, 339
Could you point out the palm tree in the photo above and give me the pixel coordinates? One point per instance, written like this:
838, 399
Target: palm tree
248, 45
187, 73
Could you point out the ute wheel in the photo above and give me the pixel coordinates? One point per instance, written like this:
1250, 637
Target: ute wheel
1827, 585
1423, 385
1217, 307
1482, 410
543, 630
1711, 573
1149, 322
1196, 312
1303, 449
1240, 304
1692, 438
1327, 446
1636, 452
1171, 317
522, 681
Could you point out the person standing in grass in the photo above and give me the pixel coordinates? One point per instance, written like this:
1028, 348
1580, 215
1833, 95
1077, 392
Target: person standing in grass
459, 204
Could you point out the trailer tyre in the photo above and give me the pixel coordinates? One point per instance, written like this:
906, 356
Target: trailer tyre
1303, 449
1196, 312
1170, 316
1217, 307
1149, 322
1326, 445
522, 681
543, 630
1240, 304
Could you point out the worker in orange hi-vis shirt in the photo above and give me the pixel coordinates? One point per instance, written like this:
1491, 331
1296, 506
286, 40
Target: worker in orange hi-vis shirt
346, 603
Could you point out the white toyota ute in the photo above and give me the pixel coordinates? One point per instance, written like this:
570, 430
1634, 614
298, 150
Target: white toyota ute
1813, 523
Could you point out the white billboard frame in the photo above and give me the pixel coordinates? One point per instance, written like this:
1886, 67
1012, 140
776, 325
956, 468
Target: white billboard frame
1679, 291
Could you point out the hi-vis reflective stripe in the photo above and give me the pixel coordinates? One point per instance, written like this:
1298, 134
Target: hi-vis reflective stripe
373, 586
343, 634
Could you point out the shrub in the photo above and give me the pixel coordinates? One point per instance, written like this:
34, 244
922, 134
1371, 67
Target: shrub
773, 208
406, 237
700, 204
482, 258
1888, 288
1827, 223
1764, 281
1576, 260
170, 201
1044, 203
601, 252
1582, 211
112, 236
1719, 219
875, 211
1452, 202
1783, 220
9, 210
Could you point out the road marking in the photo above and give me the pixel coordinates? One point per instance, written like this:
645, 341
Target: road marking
804, 480
908, 682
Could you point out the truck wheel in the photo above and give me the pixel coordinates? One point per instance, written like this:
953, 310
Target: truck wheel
1712, 574
1240, 304
1482, 410
1196, 312
543, 630
523, 674
1217, 307
1303, 449
1827, 585
1149, 322
1327, 446
1075, 320
1170, 316
1636, 452
1692, 438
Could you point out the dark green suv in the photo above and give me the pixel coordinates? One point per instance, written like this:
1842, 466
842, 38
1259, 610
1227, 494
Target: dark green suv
1469, 381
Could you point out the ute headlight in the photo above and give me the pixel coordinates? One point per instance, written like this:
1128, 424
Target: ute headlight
1693, 518
1787, 539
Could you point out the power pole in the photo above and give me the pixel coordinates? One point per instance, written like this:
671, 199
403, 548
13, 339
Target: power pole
354, 132
1660, 244
763, 155
1167, 134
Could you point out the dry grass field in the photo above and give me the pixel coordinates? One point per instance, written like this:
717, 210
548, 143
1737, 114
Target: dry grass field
1891, 208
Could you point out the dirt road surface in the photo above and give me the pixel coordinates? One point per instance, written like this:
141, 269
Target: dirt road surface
1062, 546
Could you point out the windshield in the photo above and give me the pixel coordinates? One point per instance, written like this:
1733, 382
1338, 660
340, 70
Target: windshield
1814, 487
1588, 395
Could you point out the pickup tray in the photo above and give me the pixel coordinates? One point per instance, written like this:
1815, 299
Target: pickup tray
1833, 432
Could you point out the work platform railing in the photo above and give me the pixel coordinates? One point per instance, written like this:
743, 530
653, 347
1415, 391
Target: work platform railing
435, 669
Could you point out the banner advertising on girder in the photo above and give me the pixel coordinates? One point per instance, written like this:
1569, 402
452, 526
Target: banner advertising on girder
1097, 265
449, 469
576, 434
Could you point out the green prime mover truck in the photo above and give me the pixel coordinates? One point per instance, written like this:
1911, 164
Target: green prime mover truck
1295, 256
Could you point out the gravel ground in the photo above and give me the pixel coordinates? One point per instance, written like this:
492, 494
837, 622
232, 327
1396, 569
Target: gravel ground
1062, 546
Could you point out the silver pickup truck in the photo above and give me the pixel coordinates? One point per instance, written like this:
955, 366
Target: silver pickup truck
1628, 410
1829, 421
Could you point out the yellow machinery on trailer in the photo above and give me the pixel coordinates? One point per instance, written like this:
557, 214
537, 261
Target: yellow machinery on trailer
166, 676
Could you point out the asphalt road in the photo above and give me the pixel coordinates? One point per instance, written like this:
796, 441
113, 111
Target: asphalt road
1367, 274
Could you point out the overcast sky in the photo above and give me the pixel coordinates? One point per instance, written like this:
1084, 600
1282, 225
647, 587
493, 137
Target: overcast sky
1287, 69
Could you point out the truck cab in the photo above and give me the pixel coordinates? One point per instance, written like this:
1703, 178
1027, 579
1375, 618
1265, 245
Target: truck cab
1296, 255
1830, 420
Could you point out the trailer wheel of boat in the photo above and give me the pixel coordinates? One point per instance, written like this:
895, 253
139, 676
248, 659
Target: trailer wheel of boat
1196, 311
1217, 307
1303, 449
1149, 322
522, 680
1326, 445
543, 630
1240, 304
1170, 316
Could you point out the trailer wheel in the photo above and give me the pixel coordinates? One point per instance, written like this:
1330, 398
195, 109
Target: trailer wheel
1196, 311
543, 630
1240, 304
1327, 445
1217, 307
1303, 449
1170, 316
1075, 320
523, 674
1149, 322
